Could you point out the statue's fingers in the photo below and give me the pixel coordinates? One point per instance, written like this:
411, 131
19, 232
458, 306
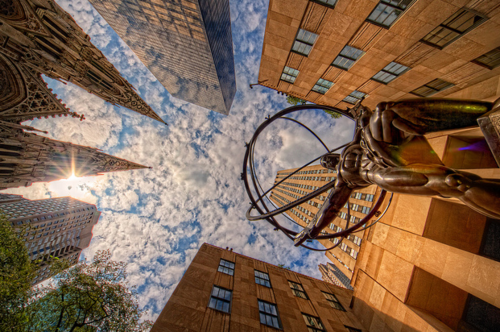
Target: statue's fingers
376, 125
407, 127
388, 132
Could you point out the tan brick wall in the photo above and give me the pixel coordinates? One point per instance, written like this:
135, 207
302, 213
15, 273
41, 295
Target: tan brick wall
187, 308
420, 244
346, 25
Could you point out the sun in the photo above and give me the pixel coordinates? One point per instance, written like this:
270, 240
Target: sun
72, 177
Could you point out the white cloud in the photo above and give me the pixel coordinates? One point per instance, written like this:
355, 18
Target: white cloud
157, 219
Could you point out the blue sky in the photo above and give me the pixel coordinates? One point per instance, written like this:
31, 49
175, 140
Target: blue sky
157, 219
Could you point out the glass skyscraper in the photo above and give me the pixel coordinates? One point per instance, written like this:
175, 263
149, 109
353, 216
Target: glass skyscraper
186, 44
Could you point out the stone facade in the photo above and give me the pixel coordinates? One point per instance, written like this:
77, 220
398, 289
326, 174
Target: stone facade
39, 37
311, 178
433, 264
26, 158
188, 309
60, 227
335, 52
186, 44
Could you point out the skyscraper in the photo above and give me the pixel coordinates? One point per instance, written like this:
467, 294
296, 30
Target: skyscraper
39, 37
225, 291
187, 45
311, 178
332, 274
26, 158
59, 227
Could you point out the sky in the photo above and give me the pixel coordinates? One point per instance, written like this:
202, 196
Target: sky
156, 219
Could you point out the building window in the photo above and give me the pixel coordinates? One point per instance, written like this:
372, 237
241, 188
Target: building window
387, 12
322, 86
289, 75
220, 299
347, 57
354, 97
313, 323
489, 60
334, 302
432, 88
304, 42
226, 267
328, 3
390, 73
262, 278
297, 290
453, 28
268, 314
352, 329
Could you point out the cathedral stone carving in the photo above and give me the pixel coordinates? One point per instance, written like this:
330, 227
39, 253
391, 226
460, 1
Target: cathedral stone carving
39, 37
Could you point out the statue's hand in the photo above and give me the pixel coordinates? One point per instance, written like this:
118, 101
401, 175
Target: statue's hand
304, 234
386, 124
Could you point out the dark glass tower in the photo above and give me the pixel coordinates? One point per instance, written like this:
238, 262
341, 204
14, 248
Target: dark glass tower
187, 45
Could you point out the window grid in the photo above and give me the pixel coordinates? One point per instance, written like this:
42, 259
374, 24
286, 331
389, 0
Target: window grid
289, 74
432, 88
313, 323
453, 28
220, 299
490, 60
226, 267
334, 302
390, 73
297, 290
268, 314
387, 12
322, 86
354, 97
304, 42
347, 57
262, 278
328, 3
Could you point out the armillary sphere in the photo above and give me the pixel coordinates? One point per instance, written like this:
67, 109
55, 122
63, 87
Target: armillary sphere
259, 203
389, 149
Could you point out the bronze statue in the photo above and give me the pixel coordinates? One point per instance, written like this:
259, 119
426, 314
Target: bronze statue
389, 150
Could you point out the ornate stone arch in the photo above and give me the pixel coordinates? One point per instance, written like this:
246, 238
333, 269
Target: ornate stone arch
12, 84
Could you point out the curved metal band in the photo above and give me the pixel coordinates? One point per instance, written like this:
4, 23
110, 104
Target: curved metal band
248, 162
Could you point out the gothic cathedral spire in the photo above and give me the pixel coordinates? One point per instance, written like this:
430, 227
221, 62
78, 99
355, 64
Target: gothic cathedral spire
26, 158
39, 37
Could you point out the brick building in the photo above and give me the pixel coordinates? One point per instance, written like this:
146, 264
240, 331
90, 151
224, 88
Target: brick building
59, 227
225, 291
334, 52
433, 264
187, 45
311, 178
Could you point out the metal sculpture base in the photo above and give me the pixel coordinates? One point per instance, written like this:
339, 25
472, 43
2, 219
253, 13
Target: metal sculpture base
490, 126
